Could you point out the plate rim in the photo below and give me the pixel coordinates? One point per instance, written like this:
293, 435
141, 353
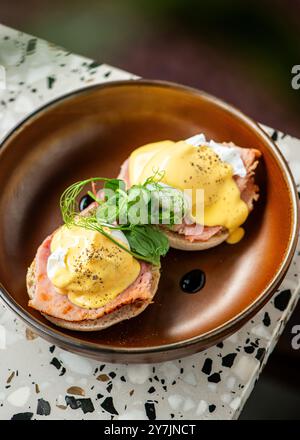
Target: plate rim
97, 349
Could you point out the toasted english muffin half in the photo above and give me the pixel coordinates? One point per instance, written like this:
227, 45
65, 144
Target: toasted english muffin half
122, 313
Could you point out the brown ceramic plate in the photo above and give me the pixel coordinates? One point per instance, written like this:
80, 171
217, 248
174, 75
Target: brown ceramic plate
89, 133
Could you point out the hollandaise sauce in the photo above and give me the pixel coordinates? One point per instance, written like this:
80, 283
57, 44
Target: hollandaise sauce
88, 267
189, 167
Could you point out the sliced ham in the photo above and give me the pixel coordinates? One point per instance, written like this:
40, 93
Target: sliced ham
197, 232
124, 172
47, 300
248, 188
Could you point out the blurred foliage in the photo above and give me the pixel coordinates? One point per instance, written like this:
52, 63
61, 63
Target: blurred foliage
264, 35
261, 35
260, 32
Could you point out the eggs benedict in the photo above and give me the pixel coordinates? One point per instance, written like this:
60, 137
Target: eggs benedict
88, 277
225, 174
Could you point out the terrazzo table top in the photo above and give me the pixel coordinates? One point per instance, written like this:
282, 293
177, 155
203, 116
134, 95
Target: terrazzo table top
39, 381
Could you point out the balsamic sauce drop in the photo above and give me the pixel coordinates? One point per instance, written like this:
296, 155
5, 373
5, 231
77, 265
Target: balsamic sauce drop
85, 201
193, 281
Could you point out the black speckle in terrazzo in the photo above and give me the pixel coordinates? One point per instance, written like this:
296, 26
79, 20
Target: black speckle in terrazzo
99, 396
112, 374
220, 345
165, 388
211, 408
93, 65
227, 361
267, 319
52, 348
207, 366
101, 368
274, 135
56, 363
282, 299
215, 378
150, 410
43, 407
249, 349
107, 74
151, 390
260, 354
109, 387
122, 378
31, 45
50, 81
63, 371
108, 405
22, 416
72, 402
85, 404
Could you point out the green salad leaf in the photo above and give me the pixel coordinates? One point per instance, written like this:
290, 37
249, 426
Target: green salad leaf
146, 240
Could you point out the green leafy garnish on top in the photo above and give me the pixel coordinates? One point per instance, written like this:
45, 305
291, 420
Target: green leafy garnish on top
136, 212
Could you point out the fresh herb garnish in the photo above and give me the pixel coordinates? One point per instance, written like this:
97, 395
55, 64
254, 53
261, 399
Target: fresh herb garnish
148, 240
114, 203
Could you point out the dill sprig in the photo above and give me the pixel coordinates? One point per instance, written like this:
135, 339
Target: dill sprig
147, 242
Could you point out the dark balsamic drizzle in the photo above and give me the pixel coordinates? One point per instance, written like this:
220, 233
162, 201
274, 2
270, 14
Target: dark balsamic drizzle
275, 135
193, 281
85, 201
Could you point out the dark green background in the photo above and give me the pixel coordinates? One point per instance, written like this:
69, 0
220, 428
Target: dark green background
242, 51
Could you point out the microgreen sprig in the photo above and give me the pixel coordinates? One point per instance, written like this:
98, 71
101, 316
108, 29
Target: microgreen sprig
146, 241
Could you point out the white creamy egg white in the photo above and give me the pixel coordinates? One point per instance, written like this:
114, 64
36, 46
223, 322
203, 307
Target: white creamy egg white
56, 261
117, 234
226, 154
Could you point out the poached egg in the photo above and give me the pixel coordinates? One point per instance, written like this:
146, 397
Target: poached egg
196, 164
88, 267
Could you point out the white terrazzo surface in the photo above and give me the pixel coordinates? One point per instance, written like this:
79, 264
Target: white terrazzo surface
41, 381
